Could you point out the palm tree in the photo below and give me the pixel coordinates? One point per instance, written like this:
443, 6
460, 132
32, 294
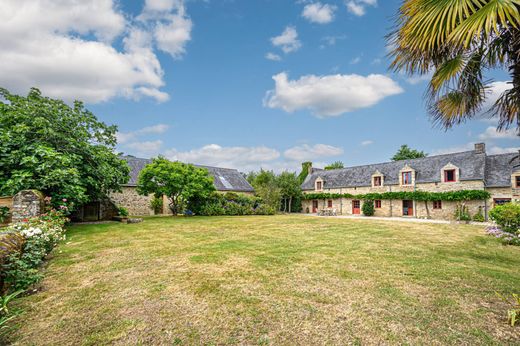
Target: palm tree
457, 41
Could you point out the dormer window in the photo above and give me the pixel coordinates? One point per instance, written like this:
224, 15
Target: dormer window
406, 178
377, 179
318, 185
449, 176
449, 173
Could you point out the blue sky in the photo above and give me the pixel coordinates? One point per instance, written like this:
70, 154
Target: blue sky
193, 80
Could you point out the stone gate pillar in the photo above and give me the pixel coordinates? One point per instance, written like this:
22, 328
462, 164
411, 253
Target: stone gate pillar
27, 204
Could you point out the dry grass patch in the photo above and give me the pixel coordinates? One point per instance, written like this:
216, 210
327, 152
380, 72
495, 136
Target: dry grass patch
273, 280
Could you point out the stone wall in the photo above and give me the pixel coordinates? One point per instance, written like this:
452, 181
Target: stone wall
135, 203
26, 204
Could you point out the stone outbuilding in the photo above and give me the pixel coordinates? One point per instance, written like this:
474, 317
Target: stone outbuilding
224, 179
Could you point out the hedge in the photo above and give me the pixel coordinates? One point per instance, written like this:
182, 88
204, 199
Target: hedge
462, 195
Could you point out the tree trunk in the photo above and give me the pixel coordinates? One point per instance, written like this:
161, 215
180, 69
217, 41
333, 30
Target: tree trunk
427, 210
290, 204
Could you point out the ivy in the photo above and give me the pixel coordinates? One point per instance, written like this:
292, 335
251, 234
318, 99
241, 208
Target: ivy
462, 195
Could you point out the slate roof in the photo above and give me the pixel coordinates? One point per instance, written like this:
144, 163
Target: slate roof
499, 169
472, 164
224, 179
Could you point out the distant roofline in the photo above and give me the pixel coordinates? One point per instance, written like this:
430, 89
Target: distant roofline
194, 164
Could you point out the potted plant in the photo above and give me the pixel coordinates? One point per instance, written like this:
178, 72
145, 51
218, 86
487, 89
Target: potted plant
122, 214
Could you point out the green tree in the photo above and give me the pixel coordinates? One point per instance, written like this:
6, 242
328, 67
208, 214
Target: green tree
406, 153
335, 165
290, 190
178, 181
457, 41
305, 171
62, 150
266, 187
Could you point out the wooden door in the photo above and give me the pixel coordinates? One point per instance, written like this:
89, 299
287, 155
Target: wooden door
407, 208
314, 206
356, 207
91, 212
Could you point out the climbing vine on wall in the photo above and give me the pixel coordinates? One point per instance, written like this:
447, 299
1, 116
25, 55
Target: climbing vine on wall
462, 195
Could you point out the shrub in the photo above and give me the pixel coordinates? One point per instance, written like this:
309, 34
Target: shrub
264, 209
513, 313
212, 209
230, 203
506, 237
122, 211
156, 204
368, 208
7, 314
4, 214
479, 216
507, 216
462, 213
41, 234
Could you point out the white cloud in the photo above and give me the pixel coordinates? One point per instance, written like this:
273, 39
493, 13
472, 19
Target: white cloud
358, 7
273, 57
306, 152
65, 48
329, 95
331, 40
491, 133
146, 148
491, 149
367, 142
243, 158
287, 40
126, 137
494, 91
319, 13
355, 61
414, 80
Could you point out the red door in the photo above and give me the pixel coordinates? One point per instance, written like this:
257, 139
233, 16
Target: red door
407, 208
356, 207
314, 206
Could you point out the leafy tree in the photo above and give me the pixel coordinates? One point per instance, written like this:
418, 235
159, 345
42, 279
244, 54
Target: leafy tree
335, 165
289, 185
406, 153
457, 41
178, 181
64, 151
266, 187
305, 171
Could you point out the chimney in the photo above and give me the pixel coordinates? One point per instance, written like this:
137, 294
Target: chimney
309, 168
480, 148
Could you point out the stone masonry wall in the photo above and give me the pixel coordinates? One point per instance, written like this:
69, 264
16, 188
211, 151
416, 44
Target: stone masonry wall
27, 204
394, 208
135, 203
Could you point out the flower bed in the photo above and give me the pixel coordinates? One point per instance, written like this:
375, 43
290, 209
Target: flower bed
20, 267
505, 237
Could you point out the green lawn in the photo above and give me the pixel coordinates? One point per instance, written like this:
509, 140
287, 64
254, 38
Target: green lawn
273, 280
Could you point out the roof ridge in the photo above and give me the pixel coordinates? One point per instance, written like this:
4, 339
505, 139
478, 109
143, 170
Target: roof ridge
382, 163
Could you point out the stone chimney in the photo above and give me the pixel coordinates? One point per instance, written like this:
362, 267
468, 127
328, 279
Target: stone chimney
309, 168
480, 148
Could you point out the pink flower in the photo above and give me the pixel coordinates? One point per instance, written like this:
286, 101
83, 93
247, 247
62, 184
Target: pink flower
64, 200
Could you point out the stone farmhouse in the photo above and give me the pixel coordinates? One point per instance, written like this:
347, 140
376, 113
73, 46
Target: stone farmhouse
224, 179
470, 170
